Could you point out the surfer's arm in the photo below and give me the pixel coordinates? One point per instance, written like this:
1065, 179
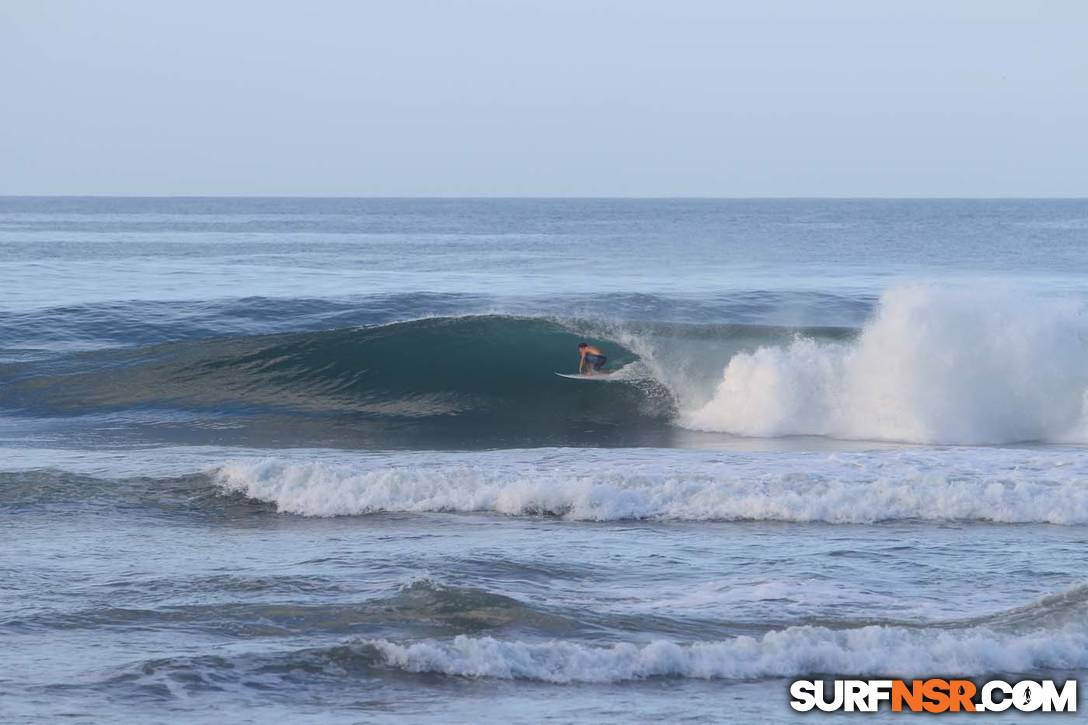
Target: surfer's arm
581, 363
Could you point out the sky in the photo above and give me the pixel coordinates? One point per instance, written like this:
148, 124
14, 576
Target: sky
709, 98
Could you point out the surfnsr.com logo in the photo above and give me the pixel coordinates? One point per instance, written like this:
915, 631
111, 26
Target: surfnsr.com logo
933, 695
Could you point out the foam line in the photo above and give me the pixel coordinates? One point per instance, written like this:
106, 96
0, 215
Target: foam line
1009, 487
786, 653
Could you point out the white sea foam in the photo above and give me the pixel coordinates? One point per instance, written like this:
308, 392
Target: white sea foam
943, 484
792, 652
932, 366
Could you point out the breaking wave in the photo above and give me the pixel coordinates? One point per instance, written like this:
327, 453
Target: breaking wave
1043, 637
1006, 487
791, 652
1046, 635
932, 366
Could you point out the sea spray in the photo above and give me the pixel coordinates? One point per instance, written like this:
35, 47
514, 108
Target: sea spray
932, 366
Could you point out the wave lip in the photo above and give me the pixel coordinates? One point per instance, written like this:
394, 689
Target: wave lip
834, 489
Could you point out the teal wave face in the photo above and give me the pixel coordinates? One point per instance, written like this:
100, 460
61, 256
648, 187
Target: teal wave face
493, 366
468, 379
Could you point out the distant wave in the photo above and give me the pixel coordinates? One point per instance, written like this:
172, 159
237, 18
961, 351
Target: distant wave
839, 489
135, 323
139, 322
420, 602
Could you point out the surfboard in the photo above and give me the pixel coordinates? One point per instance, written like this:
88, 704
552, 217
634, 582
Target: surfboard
579, 376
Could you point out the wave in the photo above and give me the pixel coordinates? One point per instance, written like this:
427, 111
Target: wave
792, 652
423, 603
476, 378
1000, 485
1046, 636
839, 489
1048, 486
931, 366
127, 323
448, 381
874, 651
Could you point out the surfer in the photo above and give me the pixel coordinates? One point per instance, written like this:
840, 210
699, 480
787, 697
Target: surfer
591, 360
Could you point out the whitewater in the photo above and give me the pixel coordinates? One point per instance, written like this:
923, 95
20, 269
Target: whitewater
307, 459
932, 366
930, 484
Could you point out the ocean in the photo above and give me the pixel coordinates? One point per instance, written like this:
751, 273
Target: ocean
308, 459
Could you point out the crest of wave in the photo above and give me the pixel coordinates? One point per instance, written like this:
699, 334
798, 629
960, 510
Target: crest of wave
784, 653
1001, 486
948, 366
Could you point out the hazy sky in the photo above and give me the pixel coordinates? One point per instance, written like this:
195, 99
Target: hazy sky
545, 97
